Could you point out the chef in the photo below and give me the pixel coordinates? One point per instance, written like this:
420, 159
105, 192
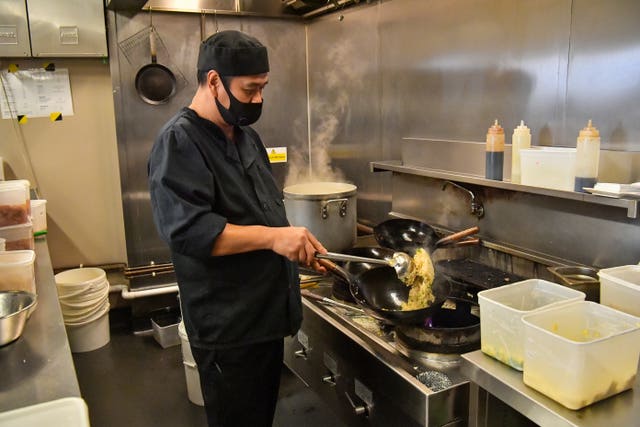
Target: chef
217, 205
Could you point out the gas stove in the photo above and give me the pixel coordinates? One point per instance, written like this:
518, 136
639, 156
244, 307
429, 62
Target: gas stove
369, 374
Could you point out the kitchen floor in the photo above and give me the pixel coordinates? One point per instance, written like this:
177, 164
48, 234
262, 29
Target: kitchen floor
133, 381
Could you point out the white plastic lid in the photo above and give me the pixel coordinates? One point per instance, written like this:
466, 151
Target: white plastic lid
16, 258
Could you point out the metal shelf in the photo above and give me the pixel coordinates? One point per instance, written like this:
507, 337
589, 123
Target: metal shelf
631, 205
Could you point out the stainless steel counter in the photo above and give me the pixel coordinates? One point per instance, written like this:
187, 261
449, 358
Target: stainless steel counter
38, 367
506, 384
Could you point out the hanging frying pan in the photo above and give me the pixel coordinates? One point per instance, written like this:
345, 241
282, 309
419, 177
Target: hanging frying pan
155, 83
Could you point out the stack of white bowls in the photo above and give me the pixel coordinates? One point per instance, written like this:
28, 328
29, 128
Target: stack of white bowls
84, 299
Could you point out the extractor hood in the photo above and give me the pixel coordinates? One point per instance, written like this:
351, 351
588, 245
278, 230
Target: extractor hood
269, 8
223, 7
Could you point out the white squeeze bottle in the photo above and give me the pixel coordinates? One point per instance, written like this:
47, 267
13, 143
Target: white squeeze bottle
521, 139
587, 158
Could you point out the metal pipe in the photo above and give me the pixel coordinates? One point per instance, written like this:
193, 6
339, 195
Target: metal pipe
129, 295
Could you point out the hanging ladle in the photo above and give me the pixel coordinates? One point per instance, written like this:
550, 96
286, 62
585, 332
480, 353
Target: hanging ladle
401, 262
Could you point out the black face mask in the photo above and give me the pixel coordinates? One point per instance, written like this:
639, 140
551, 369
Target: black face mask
239, 113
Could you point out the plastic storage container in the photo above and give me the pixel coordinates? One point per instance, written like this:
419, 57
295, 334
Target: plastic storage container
194, 392
14, 203
165, 327
39, 216
17, 272
548, 167
580, 353
501, 310
18, 237
65, 412
620, 288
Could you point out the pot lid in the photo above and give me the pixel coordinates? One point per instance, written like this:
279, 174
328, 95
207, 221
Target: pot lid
320, 190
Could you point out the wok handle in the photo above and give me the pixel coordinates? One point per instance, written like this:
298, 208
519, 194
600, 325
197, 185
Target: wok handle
350, 258
457, 236
334, 269
364, 228
467, 242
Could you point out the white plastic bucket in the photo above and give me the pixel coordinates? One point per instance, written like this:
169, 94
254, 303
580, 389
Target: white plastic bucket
80, 277
194, 392
90, 335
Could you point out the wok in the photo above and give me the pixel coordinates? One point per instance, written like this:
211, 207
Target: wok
453, 328
407, 235
380, 294
341, 285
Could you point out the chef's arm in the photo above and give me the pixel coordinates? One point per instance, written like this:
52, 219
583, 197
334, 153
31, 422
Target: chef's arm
296, 243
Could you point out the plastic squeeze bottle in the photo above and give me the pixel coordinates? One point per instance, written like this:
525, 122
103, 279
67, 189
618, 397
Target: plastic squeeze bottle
494, 157
521, 139
587, 158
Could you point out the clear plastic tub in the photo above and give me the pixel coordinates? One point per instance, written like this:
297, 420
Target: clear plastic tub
65, 412
580, 353
17, 271
620, 288
548, 167
14, 203
501, 311
18, 237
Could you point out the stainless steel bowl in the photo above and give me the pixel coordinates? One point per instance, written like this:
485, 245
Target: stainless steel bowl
15, 309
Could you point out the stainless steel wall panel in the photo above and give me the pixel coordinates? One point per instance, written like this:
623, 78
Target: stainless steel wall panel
604, 66
601, 236
345, 103
449, 68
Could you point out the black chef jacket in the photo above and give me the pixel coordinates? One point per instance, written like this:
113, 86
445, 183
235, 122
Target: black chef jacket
198, 182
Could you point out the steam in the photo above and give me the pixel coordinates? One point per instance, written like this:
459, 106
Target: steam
328, 110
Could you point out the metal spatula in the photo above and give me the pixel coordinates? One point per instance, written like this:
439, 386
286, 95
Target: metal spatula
401, 262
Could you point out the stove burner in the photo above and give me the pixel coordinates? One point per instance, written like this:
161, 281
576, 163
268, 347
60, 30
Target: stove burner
453, 329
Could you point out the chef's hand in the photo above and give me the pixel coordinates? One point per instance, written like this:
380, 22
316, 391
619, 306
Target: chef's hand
299, 245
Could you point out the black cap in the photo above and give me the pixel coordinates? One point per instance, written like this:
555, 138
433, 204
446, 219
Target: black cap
233, 53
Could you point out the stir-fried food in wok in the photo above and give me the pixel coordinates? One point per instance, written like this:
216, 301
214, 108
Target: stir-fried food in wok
420, 277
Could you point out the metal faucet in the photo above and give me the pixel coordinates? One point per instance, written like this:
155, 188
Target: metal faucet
477, 208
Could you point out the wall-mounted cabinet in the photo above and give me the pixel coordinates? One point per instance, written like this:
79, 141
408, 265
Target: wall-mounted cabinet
14, 29
65, 28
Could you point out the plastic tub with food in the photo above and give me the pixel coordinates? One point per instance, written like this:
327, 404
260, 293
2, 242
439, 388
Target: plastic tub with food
501, 311
580, 353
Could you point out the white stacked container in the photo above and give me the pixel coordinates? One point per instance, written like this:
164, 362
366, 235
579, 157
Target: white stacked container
39, 217
17, 272
501, 311
83, 294
580, 353
14, 203
620, 288
18, 237
194, 391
